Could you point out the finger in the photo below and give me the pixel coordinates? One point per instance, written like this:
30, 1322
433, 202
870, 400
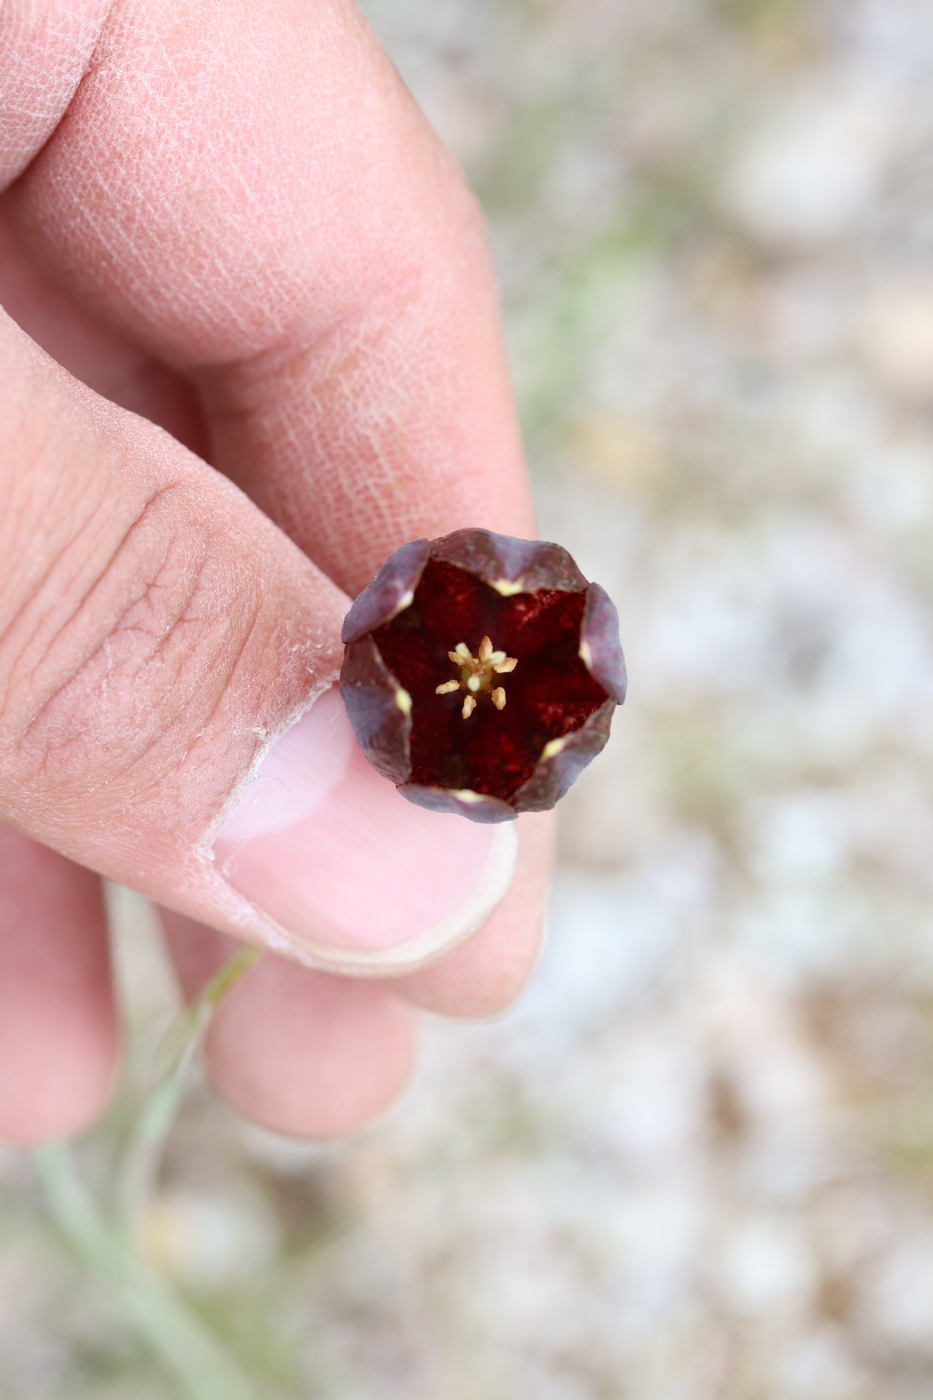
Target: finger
297, 1051
309, 255
58, 1039
44, 52
487, 973
156, 632
102, 358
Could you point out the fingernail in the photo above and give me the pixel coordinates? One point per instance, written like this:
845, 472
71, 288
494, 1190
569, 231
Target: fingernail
366, 882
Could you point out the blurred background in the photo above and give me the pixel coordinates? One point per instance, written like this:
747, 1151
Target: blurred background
696, 1161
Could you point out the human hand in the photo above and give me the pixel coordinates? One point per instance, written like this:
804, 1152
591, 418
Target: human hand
230, 221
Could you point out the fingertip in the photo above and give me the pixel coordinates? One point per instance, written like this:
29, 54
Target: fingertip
307, 1054
365, 883
58, 1031
484, 976
60, 1096
300, 1052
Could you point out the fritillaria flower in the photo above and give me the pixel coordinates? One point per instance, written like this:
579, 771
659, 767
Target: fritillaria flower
481, 673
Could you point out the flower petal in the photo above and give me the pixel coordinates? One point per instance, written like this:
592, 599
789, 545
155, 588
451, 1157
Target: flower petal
559, 769
386, 596
600, 647
527, 565
474, 805
378, 708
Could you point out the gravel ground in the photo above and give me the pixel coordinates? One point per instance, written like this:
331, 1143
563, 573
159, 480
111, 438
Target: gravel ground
696, 1161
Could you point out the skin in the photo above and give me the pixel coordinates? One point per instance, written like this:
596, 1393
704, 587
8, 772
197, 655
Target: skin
232, 224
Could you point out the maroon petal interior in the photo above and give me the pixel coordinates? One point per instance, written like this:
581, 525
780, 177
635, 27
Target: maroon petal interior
550, 693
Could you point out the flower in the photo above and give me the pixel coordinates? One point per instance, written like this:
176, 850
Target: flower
481, 673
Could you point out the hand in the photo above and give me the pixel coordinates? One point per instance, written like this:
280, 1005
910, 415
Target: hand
232, 222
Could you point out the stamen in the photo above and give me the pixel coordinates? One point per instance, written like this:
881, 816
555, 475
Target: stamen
476, 674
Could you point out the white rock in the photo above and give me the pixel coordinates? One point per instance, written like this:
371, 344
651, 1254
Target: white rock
813, 165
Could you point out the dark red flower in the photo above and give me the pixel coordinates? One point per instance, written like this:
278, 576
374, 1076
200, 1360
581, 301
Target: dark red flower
481, 673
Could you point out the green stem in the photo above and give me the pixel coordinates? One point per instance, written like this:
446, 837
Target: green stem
139, 1168
154, 1307
159, 1315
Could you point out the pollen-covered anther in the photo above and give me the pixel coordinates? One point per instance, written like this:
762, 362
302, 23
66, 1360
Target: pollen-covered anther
477, 673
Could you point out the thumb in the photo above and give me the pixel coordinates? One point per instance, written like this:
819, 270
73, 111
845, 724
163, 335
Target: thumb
158, 638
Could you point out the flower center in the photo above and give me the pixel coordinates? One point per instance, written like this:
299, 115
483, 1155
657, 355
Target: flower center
477, 674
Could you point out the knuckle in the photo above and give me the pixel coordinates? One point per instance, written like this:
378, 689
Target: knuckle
116, 663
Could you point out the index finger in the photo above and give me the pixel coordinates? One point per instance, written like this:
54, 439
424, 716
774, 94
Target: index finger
254, 196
